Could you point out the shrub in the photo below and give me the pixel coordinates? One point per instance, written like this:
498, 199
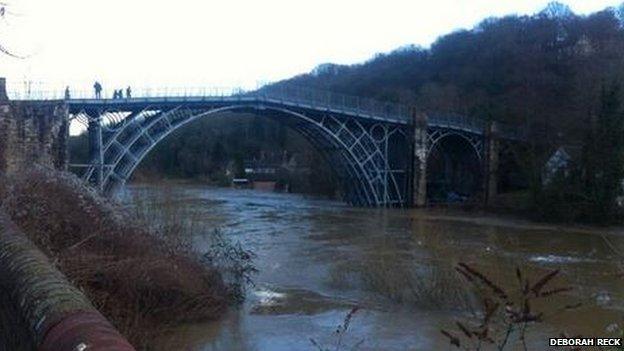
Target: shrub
141, 281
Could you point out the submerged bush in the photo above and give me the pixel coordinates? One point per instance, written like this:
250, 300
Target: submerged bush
175, 221
409, 283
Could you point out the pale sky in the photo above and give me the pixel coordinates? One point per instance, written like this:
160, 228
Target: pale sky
225, 43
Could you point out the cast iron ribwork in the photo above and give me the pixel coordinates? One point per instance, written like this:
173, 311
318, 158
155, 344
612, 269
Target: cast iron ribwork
366, 142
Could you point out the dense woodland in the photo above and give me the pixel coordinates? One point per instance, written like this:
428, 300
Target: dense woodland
554, 72
546, 69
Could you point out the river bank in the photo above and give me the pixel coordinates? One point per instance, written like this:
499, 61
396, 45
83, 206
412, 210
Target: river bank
485, 217
142, 281
318, 258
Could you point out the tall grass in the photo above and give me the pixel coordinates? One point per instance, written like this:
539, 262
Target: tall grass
178, 223
168, 217
417, 284
426, 286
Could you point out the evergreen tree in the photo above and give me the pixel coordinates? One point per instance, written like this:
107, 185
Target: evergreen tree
604, 158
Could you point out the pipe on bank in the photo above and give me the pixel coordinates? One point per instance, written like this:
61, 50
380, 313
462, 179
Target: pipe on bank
58, 315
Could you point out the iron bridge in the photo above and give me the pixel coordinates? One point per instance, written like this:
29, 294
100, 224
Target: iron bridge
369, 144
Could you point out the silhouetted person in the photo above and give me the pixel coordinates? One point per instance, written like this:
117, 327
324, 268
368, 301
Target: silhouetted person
128, 92
67, 93
115, 94
98, 90
120, 93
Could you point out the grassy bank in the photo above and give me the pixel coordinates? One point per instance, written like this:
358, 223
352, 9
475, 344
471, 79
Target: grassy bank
143, 280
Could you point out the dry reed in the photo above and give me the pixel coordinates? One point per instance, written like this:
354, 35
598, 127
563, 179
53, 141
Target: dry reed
504, 317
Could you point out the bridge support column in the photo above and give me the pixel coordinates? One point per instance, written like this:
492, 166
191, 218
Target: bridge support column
96, 154
419, 159
491, 164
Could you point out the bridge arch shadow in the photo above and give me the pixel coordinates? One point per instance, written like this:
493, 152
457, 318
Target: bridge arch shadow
454, 166
356, 150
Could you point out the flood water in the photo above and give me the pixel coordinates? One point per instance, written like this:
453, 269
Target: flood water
317, 259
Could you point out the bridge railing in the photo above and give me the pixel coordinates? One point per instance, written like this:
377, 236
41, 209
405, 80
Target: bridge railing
339, 102
455, 121
288, 94
477, 125
177, 92
512, 131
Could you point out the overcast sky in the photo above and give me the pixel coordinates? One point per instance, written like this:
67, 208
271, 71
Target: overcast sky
224, 43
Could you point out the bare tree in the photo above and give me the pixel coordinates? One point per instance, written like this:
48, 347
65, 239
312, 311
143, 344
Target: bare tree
3, 14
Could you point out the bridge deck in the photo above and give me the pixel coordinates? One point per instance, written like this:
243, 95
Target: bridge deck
283, 96
76, 105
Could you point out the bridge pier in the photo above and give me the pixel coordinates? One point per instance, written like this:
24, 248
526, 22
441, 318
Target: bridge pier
492, 163
96, 154
32, 132
419, 159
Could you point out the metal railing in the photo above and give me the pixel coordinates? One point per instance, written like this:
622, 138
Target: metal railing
512, 131
455, 121
281, 93
286, 94
338, 102
107, 94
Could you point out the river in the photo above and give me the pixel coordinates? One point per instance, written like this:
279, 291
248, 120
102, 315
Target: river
317, 259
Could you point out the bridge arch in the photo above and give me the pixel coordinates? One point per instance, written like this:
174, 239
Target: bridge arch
455, 163
436, 136
356, 151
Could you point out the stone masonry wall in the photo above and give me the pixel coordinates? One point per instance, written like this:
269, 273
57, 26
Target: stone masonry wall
33, 132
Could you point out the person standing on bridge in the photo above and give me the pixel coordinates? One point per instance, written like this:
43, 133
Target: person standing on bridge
98, 90
67, 93
128, 92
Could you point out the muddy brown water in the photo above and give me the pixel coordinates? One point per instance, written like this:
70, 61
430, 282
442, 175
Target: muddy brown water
317, 259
